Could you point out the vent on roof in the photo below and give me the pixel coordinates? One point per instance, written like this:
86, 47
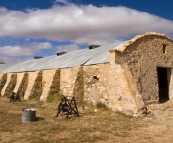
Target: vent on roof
60, 53
37, 57
93, 46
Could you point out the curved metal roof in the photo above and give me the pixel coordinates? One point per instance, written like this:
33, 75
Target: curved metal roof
5, 66
71, 59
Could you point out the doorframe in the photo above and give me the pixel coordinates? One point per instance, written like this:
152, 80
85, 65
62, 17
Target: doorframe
169, 75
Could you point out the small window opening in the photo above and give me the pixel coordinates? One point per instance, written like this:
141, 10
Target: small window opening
95, 77
93, 46
60, 53
164, 48
37, 57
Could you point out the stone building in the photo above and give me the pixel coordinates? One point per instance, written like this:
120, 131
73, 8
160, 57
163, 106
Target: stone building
125, 76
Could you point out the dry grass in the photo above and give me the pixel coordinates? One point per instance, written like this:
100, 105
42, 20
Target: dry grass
92, 126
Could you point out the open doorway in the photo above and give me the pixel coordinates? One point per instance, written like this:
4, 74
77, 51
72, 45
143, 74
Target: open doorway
163, 84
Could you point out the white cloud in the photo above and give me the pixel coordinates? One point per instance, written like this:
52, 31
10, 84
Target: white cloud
7, 59
62, 1
80, 24
67, 48
28, 49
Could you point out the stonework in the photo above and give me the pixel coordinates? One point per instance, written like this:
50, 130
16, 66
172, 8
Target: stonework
37, 88
19, 80
68, 79
11, 85
1, 76
127, 83
3, 82
6, 84
143, 57
48, 76
108, 83
23, 84
31, 80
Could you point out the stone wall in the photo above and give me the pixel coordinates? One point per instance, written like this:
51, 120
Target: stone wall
19, 80
11, 85
47, 81
31, 80
1, 76
2, 82
55, 85
78, 88
8, 78
70, 83
109, 84
37, 88
23, 85
143, 57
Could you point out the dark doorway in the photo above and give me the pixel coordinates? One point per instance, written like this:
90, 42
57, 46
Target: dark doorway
163, 84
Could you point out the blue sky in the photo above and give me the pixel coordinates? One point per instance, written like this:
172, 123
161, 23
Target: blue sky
43, 27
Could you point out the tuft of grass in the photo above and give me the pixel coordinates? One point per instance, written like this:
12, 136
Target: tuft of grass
82, 103
101, 105
53, 98
124, 114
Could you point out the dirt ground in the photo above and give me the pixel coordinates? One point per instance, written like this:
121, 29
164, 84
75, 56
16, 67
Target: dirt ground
93, 125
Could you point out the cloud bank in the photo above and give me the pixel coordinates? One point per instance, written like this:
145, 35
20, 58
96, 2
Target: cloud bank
67, 48
7, 59
80, 24
77, 24
28, 49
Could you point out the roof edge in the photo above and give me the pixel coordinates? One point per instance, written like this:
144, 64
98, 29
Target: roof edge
123, 47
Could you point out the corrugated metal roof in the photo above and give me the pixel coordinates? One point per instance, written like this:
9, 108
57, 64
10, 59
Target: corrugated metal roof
103, 53
5, 66
71, 59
